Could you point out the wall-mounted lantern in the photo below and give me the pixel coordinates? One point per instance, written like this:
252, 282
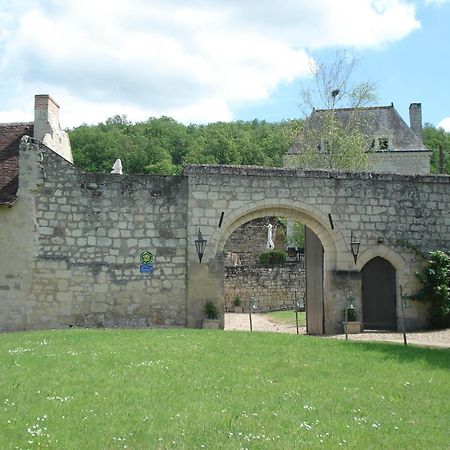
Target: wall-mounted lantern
354, 246
200, 244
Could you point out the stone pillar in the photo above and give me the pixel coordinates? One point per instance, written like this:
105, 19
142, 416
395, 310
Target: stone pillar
415, 119
47, 128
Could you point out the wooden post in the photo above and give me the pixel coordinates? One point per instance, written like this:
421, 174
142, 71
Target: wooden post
346, 319
250, 306
402, 316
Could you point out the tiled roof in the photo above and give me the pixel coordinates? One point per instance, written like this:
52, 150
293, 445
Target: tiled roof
10, 135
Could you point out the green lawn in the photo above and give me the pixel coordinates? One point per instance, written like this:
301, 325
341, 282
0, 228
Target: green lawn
189, 389
286, 318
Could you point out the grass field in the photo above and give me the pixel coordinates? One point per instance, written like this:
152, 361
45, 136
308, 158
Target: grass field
194, 389
286, 318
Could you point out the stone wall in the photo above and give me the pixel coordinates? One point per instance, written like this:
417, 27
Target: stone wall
71, 247
404, 163
273, 288
399, 218
71, 244
251, 239
394, 162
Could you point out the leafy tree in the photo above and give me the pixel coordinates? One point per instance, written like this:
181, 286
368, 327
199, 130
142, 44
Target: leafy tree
328, 139
435, 279
164, 146
433, 138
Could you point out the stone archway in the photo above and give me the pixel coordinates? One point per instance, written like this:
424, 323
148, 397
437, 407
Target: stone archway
378, 277
324, 244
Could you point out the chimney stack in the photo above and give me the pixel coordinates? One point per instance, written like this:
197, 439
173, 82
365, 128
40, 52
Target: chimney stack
47, 128
415, 119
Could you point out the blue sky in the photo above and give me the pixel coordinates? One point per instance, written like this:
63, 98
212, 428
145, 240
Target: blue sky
207, 60
414, 69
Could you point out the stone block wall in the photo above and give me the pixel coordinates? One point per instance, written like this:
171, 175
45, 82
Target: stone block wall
76, 241
251, 239
399, 218
404, 163
273, 288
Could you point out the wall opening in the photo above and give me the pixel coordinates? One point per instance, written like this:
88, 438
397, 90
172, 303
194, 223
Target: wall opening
277, 287
378, 277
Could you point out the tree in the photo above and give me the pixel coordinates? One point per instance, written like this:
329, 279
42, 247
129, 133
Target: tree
337, 133
164, 146
433, 138
435, 279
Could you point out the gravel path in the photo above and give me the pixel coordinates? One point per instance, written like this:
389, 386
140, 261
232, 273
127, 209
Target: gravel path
240, 322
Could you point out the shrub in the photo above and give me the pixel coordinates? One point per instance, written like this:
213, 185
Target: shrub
211, 311
272, 257
237, 301
435, 279
351, 314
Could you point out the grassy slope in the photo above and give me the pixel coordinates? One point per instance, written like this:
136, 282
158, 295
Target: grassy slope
146, 389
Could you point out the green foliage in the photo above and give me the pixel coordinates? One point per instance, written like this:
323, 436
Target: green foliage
327, 143
433, 138
297, 237
351, 314
272, 257
164, 146
435, 279
237, 301
211, 311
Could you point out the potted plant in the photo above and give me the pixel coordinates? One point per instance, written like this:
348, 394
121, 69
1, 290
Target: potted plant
212, 316
237, 304
351, 325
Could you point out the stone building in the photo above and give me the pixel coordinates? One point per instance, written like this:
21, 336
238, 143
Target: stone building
394, 147
45, 128
71, 242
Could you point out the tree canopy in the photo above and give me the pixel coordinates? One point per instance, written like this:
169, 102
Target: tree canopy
433, 138
164, 146
325, 141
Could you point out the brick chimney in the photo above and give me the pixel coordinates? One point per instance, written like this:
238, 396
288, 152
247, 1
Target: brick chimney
47, 128
415, 119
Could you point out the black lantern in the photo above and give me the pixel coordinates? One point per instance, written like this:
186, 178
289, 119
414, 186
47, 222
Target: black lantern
354, 245
200, 244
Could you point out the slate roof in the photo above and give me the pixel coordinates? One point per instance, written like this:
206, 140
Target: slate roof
376, 119
10, 136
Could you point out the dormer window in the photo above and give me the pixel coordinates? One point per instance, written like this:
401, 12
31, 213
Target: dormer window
383, 143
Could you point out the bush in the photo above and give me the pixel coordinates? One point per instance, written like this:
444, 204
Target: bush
272, 257
237, 301
435, 279
211, 311
351, 314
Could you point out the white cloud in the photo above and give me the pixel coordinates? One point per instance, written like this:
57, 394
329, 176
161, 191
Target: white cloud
192, 61
445, 124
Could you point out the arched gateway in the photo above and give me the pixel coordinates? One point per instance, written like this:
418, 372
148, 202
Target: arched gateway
72, 242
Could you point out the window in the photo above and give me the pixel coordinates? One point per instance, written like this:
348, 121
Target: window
383, 143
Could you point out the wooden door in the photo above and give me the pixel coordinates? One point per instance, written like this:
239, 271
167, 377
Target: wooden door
314, 283
379, 295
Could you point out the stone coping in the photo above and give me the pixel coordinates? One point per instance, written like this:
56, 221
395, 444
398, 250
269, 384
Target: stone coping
203, 169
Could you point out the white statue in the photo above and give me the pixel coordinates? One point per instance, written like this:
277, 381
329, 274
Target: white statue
117, 167
270, 236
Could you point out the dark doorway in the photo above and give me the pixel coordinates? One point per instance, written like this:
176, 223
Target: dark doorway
378, 295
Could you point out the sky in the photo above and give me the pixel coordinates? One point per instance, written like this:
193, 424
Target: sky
202, 61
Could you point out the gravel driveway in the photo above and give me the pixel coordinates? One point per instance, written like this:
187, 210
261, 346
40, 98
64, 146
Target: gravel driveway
240, 322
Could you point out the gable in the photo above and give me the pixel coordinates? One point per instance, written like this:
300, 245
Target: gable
10, 136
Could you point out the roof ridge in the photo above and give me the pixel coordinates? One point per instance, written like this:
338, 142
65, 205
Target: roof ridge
362, 108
